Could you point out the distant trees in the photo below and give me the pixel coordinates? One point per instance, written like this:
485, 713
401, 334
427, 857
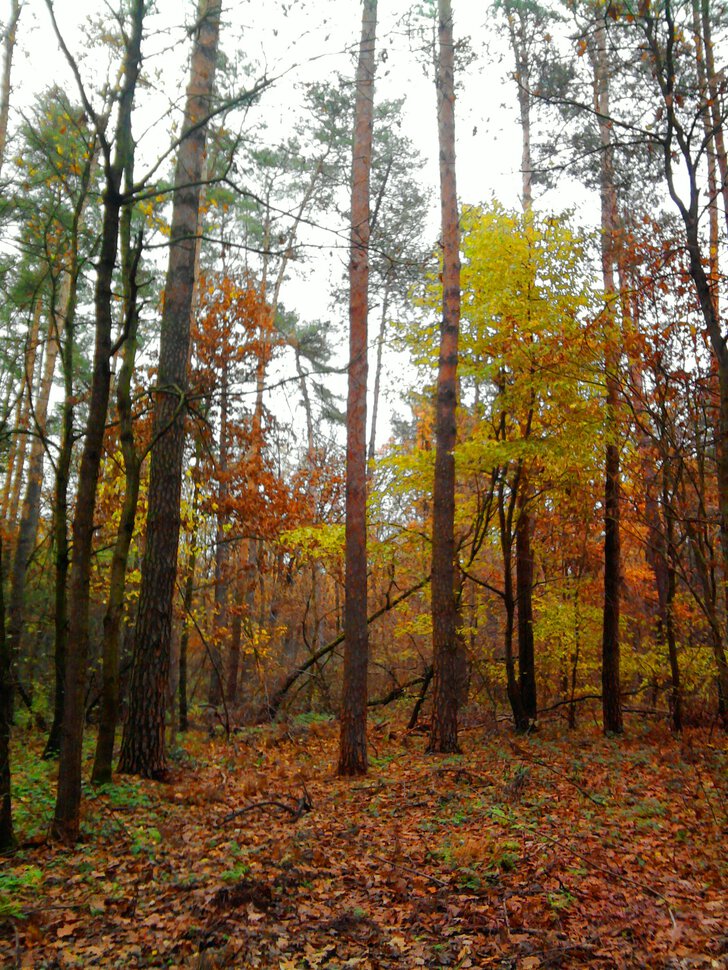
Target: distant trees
555, 504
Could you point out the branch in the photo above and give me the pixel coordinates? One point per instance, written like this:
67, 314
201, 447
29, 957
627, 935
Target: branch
272, 706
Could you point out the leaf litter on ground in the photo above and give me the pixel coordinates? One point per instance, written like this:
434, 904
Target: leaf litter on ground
560, 850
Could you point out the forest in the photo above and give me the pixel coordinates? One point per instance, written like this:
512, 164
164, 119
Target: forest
364, 543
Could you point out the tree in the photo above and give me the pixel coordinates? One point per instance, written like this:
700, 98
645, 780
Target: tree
7, 839
66, 821
9, 35
611, 699
526, 22
132, 459
352, 741
685, 142
142, 750
445, 642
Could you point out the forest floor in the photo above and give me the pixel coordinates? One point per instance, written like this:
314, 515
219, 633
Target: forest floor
561, 850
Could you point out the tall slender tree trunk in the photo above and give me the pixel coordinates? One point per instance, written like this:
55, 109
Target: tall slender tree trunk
113, 618
611, 697
142, 749
65, 328
16, 461
8, 51
445, 645
187, 601
517, 28
30, 513
678, 145
60, 524
353, 739
378, 379
524, 599
667, 606
7, 838
222, 556
66, 821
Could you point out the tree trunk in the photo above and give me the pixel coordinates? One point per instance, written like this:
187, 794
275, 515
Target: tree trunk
16, 459
524, 599
222, 556
8, 51
142, 750
189, 592
60, 528
7, 839
30, 514
377, 380
611, 698
353, 739
445, 645
66, 821
505, 516
678, 144
63, 471
109, 707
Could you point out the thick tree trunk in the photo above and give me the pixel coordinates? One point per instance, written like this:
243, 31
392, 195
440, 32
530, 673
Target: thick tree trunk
445, 645
353, 740
66, 821
142, 750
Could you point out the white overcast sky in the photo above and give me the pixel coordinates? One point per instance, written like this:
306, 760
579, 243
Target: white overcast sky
297, 41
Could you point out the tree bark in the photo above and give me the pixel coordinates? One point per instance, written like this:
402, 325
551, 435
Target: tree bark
16, 459
222, 556
8, 51
189, 592
66, 348
353, 740
143, 750
109, 706
611, 699
30, 513
445, 645
524, 600
66, 821
7, 838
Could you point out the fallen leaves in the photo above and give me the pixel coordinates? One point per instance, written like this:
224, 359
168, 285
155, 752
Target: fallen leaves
425, 864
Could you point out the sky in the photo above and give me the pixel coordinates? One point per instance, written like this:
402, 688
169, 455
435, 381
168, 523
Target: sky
296, 42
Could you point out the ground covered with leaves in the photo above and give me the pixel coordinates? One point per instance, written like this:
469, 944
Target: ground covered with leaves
560, 850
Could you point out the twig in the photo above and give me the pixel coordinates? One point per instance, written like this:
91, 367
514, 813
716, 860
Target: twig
461, 772
619, 876
525, 756
410, 870
304, 805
